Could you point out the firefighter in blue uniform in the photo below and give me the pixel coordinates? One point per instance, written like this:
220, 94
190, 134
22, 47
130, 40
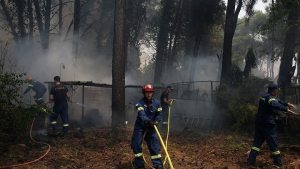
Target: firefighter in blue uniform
38, 88
165, 103
60, 95
265, 124
148, 115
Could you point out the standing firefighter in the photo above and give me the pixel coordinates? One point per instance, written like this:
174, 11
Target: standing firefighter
149, 114
165, 103
265, 124
38, 88
59, 93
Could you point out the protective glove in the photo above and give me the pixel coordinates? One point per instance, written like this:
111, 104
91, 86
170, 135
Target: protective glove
150, 124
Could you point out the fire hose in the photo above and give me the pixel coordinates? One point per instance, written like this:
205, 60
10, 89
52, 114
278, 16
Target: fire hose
162, 142
26, 163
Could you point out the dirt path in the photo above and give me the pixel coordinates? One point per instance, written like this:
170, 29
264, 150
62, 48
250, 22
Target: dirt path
101, 149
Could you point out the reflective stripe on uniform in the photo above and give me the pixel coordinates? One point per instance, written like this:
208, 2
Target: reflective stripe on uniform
255, 148
159, 109
140, 108
54, 122
155, 156
44, 110
262, 98
165, 122
276, 152
138, 155
30, 85
66, 125
40, 99
272, 99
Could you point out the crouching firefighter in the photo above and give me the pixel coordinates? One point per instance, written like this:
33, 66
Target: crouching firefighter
265, 124
38, 88
148, 115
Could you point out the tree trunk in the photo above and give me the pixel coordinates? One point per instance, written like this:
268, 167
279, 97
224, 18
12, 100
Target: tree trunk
195, 56
31, 24
60, 23
10, 21
76, 29
176, 28
200, 31
230, 25
220, 59
47, 23
20, 8
162, 42
284, 78
188, 47
40, 23
118, 65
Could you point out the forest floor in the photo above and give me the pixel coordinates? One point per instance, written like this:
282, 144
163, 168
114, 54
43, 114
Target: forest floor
99, 148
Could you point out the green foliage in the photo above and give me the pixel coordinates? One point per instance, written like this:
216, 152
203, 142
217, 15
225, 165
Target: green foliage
243, 113
239, 104
15, 115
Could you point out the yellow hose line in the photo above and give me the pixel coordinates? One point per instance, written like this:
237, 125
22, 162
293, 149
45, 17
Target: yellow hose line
168, 131
163, 144
143, 153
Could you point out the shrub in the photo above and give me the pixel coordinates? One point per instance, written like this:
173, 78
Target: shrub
240, 104
15, 116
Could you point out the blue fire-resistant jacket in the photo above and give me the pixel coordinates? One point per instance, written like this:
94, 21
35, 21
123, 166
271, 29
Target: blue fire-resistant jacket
36, 86
268, 107
148, 111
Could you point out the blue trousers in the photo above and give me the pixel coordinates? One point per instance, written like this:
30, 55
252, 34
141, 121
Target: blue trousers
152, 142
265, 132
165, 115
63, 112
38, 97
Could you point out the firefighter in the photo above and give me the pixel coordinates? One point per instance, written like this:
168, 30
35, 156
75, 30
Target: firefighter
165, 103
38, 88
265, 124
148, 115
59, 94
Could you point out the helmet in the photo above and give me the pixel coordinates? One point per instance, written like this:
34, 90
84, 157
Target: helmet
29, 78
148, 88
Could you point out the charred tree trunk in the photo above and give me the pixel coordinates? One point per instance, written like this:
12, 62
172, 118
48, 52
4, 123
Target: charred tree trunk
47, 23
118, 65
76, 29
188, 48
200, 23
31, 25
40, 23
20, 8
230, 25
10, 21
174, 28
60, 18
194, 58
162, 42
284, 78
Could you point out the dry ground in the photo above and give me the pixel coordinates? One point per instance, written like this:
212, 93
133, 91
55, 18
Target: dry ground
99, 148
